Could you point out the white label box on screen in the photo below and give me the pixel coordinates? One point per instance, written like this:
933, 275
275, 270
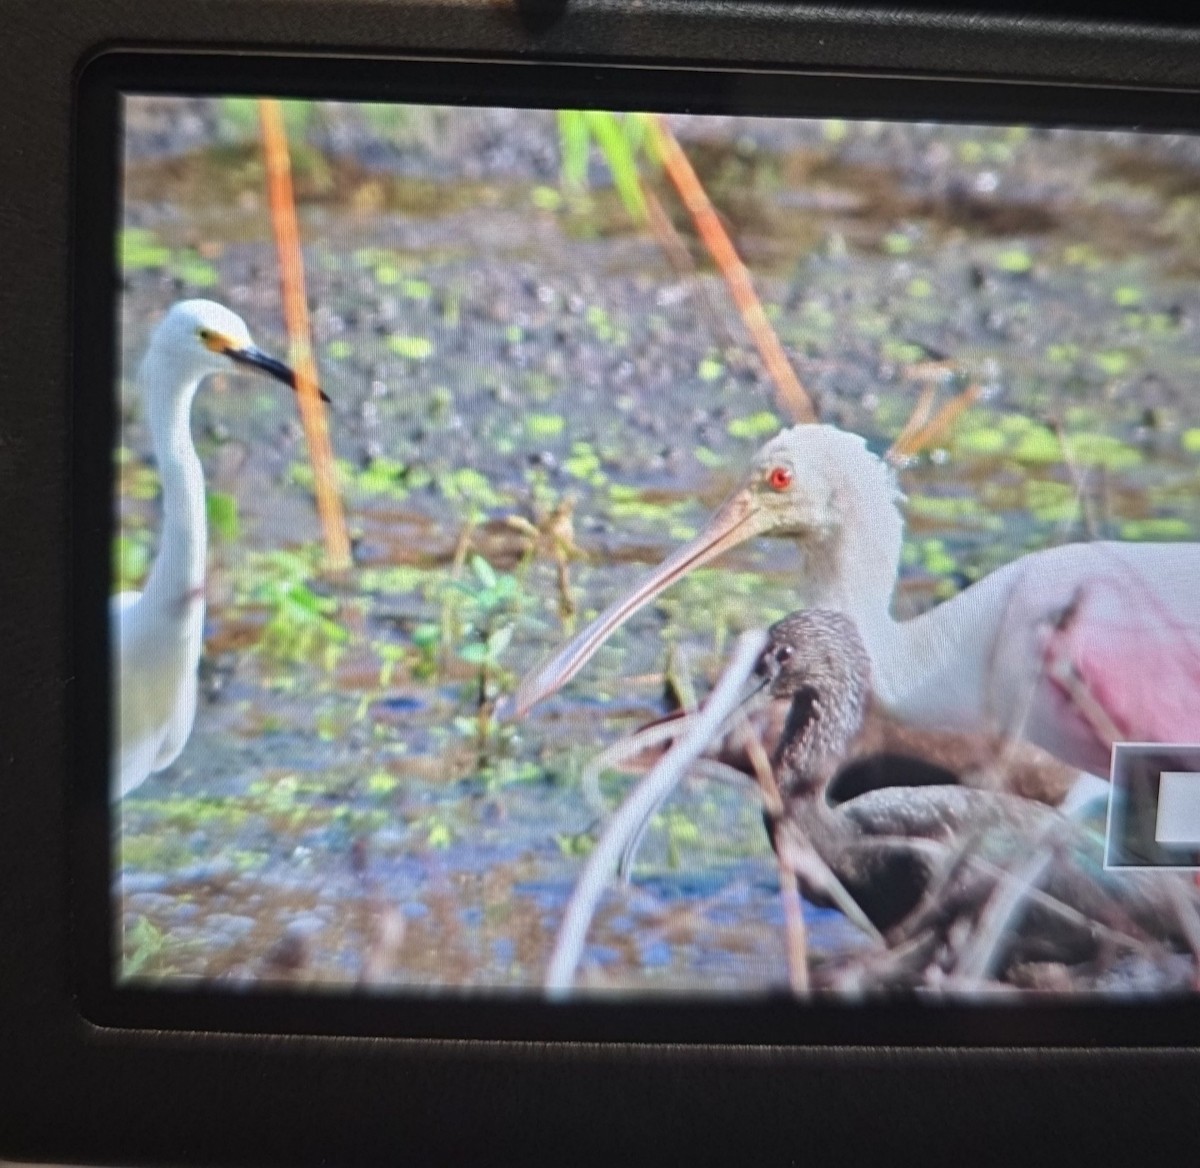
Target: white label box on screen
1178, 820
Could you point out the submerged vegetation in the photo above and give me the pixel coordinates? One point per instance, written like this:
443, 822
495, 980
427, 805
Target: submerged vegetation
531, 402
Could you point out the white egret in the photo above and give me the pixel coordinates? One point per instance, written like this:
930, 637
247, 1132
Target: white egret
157, 634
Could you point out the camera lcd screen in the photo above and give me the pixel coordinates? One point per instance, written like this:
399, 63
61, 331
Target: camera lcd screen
928, 391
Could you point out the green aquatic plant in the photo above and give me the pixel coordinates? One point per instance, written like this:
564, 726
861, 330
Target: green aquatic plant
145, 943
1160, 528
239, 118
139, 249
385, 476
901, 352
154, 851
1039, 444
380, 476
381, 784
301, 625
131, 560
576, 846
584, 463
1032, 443
1106, 451
756, 427
1051, 502
223, 515
1016, 261
708, 457
682, 834
1084, 255
546, 198
544, 425
426, 639
492, 602
189, 268
935, 559
136, 479
436, 831
186, 814
621, 140
491, 606
600, 323
955, 510
471, 489
1113, 362
411, 348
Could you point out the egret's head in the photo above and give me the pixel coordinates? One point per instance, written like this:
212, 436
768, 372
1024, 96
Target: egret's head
199, 337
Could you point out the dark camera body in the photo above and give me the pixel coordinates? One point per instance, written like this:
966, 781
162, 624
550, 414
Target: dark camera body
82, 1084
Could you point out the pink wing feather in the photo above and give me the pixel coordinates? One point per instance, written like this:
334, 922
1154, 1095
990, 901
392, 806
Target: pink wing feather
1123, 663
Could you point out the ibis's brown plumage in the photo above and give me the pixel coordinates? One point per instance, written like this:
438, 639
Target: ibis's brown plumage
920, 856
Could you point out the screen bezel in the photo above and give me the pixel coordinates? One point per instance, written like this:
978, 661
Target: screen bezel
503, 1014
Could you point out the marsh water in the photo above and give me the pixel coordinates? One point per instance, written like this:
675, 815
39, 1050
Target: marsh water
532, 403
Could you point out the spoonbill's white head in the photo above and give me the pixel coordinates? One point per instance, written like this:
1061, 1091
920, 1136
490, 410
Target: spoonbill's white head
815, 484
199, 337
808, 482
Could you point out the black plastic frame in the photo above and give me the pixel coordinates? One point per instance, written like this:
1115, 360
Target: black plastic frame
501, 1014
84, 1079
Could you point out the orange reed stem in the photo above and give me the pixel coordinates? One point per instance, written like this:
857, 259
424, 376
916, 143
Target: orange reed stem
913, 440
898, 451
282, 202
793, 395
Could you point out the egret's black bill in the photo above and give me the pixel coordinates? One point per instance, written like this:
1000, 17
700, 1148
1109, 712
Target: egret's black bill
257, 359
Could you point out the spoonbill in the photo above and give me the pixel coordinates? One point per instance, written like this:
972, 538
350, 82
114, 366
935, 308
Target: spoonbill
1072, 647
157, 634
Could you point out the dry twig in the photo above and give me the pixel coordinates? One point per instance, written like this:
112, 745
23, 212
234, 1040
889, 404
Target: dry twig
918, 438
1086, 507
648, 793
795, 398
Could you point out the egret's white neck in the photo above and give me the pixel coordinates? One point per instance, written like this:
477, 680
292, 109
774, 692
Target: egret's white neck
178, 572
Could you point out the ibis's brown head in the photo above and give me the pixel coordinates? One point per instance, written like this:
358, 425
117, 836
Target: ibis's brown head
816, 660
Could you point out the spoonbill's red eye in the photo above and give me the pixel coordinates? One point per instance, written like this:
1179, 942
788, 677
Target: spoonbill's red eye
779, 478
